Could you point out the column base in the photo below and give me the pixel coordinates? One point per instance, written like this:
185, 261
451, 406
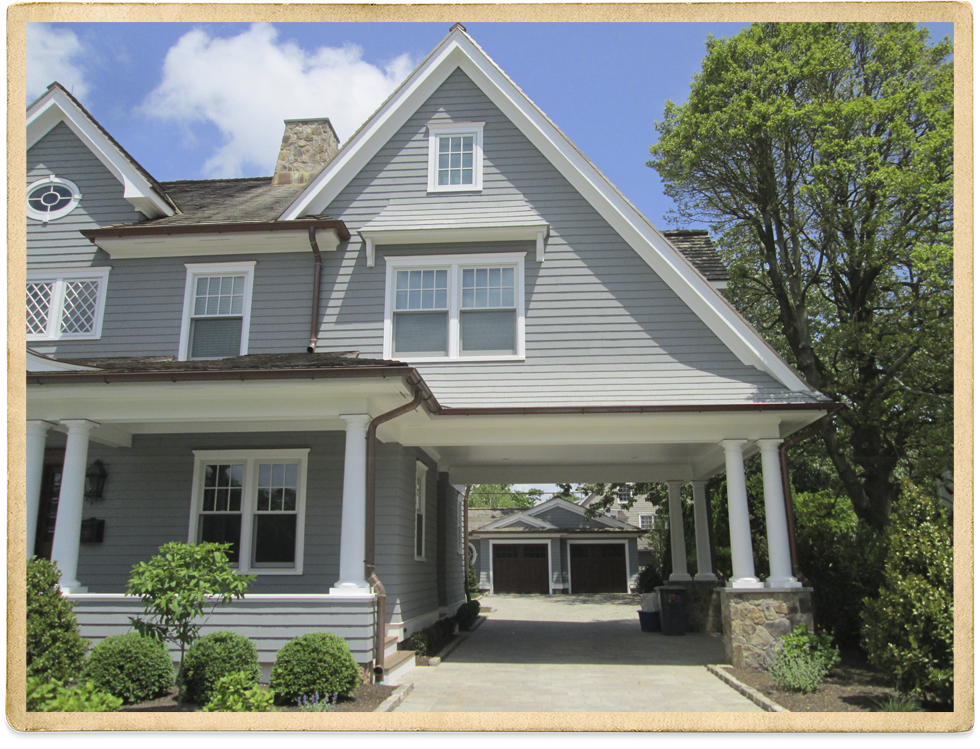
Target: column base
679, 577
351, 589
754, 621
706, 577
745, 583
785, 582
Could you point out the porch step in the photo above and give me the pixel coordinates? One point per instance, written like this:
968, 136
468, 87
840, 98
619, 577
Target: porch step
398, 667
391, 646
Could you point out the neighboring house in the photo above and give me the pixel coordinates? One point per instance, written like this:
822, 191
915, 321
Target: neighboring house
640, 514
552, 548
304, 365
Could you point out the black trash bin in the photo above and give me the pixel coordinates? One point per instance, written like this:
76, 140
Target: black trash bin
673, 619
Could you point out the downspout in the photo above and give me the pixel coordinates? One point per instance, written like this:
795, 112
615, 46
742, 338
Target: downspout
369, 514
788, 494
315, 311
466, 543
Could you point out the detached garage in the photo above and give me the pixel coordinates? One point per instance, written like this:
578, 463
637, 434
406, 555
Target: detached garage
552, 548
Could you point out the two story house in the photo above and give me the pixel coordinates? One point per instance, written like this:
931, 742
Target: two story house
305, 365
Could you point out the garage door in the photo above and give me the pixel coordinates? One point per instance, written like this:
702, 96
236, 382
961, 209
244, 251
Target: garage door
520, 568
598, 568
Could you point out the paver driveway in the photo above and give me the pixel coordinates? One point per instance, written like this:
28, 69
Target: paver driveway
574, 654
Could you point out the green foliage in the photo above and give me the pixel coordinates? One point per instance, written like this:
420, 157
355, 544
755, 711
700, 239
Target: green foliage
802, 642
649, 579
317, 663
180, 588
316, 705
472, 582
55, 649
214, 656
132, 667
467, 614
237, 692
804, 660
53, 697
823, 152
502, 495
909, 625
900, 704
417, 641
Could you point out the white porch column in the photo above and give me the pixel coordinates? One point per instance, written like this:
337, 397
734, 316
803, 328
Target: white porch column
777, 525
678, 550
353, 515
743, 566
701, 537
37, 435
68, 525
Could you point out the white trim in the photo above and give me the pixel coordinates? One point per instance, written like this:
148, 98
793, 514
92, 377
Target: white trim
54, 107
44, 218
421, 469
455, 265
474, 555
40, 363
459, 51
251, 458
441, 130
639, 520
518, 517
58, 278
538, 233
217, 243
528, 542
597, 542
196, 270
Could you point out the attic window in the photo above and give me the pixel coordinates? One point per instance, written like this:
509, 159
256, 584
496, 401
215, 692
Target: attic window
456, 156
51, 198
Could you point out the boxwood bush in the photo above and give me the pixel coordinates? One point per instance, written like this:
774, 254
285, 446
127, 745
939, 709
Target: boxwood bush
467, 614
317, 663
55, 649
131, 667
214, 656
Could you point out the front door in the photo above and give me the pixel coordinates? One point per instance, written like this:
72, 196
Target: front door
520, 568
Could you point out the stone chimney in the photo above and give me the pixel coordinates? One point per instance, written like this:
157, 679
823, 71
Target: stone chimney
307, 146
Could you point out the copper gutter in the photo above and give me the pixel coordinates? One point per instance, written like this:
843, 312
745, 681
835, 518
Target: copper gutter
583, 410
150, 230
196, 375
315, 311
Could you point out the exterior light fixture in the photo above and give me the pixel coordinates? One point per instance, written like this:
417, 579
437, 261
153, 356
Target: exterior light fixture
95, 478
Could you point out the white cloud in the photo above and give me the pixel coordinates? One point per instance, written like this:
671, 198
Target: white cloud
248, 84
51, 56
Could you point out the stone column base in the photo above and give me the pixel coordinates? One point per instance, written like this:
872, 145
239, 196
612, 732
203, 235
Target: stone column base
703, 607
754, 620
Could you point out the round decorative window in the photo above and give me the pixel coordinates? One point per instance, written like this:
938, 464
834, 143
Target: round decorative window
51, 198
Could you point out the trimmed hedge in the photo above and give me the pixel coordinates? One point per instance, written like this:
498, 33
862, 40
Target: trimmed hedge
467, 614
213, 657
55, 649
131, 667
317, 663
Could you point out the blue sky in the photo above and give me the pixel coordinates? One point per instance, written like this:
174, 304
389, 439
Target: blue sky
192, 101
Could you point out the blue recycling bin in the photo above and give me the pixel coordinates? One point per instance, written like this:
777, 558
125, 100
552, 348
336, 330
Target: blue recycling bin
649, 621
673, 617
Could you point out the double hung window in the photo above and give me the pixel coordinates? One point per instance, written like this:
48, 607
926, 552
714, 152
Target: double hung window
254, 500
646, 521
66, 304
458, 307
217, 302
456, 156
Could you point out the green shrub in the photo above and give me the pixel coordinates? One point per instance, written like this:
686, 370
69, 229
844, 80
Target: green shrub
213, 656
317, 663
467, 614
472, 581
418, 641
803, 661
131, 667
55, 649
818, 646
53, 697
649, 579
315, 705
237, 692
900, 704
909, 625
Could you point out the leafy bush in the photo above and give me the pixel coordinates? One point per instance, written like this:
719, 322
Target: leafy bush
900, 704
803, 661
55, 649
909, 626
472, 581
53, 697
467, 614
418, 641
237, 692
649, 579
131, 667
216, 655
317, 663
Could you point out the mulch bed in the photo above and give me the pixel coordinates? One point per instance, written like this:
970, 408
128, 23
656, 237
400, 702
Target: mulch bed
366, 699
853, 686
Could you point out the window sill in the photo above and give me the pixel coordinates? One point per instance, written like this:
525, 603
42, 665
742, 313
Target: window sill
57, 339
264, 572
454, 188
447, 360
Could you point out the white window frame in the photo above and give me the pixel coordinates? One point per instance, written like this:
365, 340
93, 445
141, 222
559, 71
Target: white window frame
251, 460
442, 130
76, 197
421, 469
651, 515
58, 277
455, 265
195, 271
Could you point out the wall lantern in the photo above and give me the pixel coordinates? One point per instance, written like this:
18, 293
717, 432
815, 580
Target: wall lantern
95, 478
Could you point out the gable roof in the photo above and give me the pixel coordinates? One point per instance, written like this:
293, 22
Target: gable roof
139, 187
459, 51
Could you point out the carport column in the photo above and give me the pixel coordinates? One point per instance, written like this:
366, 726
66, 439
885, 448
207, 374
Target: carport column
777, 525
353, 514
678, 550
68, 525
37, 435
701, 532
743, 566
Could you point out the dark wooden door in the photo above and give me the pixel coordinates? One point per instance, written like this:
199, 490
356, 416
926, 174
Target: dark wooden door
47, 511
598, 568
520, 568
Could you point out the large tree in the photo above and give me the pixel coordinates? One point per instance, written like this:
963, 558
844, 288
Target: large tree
502, 495
822, 154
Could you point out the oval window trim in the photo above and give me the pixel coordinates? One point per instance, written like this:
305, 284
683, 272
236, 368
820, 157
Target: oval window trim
35, 189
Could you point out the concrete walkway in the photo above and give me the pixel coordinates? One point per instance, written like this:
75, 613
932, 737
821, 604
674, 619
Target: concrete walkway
574, 654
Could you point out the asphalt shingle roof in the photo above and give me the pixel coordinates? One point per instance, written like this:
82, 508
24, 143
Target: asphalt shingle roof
697, 247
216, 201
232, 363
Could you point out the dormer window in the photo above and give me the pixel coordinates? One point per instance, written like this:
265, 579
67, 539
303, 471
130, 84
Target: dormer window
51, 198
456, 156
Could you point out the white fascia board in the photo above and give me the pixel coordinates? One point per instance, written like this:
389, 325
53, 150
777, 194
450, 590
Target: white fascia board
214, 243
521, 517
557, 502
55, 107
528, 232
458, 49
